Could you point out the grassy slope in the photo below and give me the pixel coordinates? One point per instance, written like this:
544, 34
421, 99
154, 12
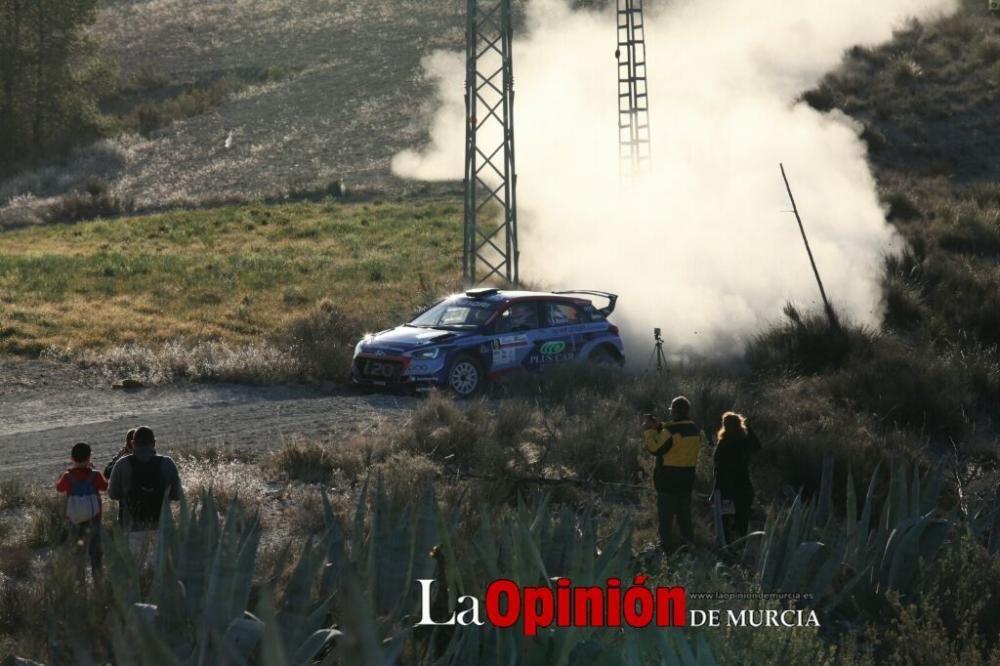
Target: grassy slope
231, 274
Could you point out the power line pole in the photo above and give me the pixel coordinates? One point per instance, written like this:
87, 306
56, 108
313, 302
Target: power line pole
633, 100
490, 246
830, 314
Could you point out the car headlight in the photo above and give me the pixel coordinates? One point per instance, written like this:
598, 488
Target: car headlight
426, 354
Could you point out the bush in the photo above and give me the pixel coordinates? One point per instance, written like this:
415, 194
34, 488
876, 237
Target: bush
323, 340
151, 116
805, 345
88, 205
315, 462
48, 522
14, 494
911, 387
956, 618
901, 208
201, 361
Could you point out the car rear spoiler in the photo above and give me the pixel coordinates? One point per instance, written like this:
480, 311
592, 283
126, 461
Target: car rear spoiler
606, 310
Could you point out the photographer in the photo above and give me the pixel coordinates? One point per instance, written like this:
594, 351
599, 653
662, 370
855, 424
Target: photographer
675, 444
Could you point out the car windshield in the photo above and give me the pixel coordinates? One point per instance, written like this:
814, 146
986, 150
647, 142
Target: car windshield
456, 313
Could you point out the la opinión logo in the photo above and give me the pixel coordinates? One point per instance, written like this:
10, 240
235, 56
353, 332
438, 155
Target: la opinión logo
563, 605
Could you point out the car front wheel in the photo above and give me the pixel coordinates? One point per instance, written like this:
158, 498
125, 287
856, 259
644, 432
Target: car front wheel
466, 377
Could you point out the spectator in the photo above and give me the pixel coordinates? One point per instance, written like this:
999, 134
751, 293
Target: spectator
141, 482
122, 452
737, 442
83, 486
676, 444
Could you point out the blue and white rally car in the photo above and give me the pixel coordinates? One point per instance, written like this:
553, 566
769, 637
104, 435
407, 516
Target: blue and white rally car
470, 339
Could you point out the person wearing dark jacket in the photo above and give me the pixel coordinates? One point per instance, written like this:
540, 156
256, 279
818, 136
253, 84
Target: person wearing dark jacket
737, 443
122, 452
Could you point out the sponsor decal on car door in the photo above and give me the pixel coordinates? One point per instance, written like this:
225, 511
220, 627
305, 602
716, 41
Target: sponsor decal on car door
509, 349
517, 328
557, 344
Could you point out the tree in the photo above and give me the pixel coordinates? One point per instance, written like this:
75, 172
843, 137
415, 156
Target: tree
49, 79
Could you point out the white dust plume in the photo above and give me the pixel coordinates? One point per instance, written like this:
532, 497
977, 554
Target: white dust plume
704, 244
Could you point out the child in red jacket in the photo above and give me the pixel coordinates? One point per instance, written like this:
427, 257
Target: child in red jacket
83, 486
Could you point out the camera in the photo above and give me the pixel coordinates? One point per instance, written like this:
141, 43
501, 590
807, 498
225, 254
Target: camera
656, 333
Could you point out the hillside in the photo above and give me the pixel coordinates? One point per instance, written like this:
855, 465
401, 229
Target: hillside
928, 100
313, 93
927, 104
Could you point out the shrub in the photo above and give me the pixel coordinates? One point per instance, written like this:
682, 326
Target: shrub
901, 208
48, 522
821, 99
912, 387
955, 619
323, 340
148, 117
14, 494
201, 361
315, 462
806, 345
230, 482
87, 205
406, 475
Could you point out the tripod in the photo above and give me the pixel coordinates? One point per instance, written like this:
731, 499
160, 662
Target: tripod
661, 359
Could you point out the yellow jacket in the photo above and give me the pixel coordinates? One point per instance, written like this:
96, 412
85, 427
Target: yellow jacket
675, 443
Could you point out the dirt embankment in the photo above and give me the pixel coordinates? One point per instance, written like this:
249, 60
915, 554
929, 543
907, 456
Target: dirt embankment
46, 407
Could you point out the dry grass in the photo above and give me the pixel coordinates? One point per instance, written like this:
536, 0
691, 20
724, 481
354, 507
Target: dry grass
239, 276
317, 462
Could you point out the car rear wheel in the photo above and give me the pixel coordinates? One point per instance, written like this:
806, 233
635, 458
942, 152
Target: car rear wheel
603, 357
466, 377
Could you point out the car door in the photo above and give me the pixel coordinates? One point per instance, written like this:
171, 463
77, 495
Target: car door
558, 339
515, 337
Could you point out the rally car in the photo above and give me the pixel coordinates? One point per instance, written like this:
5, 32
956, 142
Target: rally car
468, 340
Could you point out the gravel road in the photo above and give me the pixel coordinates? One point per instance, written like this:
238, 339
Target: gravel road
46, 407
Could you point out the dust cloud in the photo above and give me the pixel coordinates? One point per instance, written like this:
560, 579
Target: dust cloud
704, 244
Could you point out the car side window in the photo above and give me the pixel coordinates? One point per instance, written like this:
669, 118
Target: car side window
563, 314
518, 317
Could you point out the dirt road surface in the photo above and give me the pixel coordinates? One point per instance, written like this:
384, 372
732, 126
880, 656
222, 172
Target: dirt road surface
46, 407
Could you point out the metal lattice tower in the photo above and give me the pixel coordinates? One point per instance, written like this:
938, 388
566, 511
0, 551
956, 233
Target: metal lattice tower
633, 100
490, 246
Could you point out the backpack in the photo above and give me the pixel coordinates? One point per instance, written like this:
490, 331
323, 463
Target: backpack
144, 498
111, 465
83, 503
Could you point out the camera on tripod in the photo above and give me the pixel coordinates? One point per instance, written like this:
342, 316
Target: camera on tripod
657, 354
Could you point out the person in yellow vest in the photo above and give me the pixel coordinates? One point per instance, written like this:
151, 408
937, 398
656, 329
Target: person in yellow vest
676, 444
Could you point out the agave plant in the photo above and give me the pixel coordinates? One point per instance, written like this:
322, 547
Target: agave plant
202, 581
533, 545
204, 569
859, 559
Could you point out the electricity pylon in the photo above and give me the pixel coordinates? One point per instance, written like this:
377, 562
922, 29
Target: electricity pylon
490, 244
633, 100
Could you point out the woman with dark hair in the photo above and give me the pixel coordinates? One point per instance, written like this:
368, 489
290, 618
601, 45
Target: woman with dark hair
124, 451
736, 443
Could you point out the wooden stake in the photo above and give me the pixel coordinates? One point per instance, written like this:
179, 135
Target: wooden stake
822, 292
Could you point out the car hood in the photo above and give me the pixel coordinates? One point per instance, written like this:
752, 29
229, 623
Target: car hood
407, 338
